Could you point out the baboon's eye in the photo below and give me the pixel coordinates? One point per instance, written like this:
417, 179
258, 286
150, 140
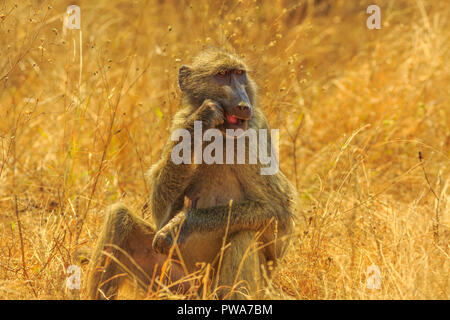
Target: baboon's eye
222, 73
239, 72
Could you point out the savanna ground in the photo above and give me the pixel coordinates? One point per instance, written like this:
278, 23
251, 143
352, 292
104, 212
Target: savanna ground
84, 114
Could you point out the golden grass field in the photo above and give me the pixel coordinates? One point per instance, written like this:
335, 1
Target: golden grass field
83, 114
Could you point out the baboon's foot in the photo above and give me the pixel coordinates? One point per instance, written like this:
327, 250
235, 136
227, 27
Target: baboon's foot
240, 275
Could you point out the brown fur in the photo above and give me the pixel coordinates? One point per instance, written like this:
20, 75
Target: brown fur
124, 252
196, 198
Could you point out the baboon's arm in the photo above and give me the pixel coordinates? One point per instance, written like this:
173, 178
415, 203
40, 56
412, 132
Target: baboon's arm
246, 215
274, 200
273, 210
168, 183
169, 180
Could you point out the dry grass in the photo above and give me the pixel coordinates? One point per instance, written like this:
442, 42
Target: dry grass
354, 108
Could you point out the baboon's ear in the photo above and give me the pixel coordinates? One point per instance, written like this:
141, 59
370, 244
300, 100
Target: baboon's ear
183, 75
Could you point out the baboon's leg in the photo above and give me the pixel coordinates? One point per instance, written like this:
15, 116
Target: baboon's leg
124, 262
240, 271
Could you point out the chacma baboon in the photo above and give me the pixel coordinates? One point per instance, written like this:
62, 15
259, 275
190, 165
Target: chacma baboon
201, 204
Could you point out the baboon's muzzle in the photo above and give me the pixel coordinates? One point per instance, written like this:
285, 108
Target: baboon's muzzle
241, 113
239, 116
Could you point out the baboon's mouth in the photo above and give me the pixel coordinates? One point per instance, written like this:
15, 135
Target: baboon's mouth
235, 122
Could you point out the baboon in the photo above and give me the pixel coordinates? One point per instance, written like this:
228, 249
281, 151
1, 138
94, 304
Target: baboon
201, 204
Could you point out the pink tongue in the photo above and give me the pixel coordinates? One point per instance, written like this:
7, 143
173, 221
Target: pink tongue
232, 119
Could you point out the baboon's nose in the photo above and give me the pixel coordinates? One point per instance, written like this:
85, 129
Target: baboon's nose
242, 111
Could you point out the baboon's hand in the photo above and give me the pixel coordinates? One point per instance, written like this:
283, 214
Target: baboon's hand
165, 237
162, 242
211, 113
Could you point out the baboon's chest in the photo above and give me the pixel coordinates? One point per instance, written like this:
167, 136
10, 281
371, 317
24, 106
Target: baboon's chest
214, 185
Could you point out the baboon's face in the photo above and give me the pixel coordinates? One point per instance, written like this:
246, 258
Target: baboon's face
236, 103
223, 78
